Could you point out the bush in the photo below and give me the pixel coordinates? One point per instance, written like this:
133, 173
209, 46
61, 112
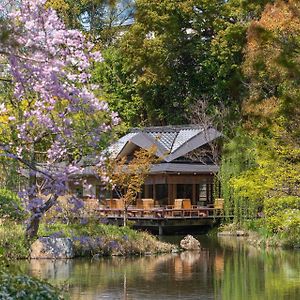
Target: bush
10, 205
274, 206
283, 218
22, 287
12, 241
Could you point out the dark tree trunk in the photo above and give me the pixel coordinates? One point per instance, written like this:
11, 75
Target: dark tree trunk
34, 221
32, 226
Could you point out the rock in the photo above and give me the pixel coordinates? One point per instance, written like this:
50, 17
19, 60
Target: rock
233, 233
241, 233
52, 248
190, 243
225, 233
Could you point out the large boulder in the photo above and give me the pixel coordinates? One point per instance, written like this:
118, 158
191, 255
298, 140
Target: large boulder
52, 248
190, 243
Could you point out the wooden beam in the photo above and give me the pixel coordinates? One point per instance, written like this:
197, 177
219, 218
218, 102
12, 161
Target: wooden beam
194, 202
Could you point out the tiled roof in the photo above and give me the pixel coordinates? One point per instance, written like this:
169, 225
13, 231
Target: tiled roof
173, 141
183, 136
116, 147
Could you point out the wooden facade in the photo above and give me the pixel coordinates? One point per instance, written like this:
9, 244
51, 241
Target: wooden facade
176, 177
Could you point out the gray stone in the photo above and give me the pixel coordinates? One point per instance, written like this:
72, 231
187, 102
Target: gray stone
52, 248
233, 233
190, 243
241, 233
225, 233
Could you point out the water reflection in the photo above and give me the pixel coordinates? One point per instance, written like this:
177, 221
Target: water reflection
224, 269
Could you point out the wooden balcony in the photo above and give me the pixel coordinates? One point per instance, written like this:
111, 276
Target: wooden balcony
162, 212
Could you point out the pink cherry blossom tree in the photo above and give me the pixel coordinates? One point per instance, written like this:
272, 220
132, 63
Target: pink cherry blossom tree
49, 118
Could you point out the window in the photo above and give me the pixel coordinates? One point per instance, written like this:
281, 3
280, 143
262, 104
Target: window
147, 191
161, 193
78, 190
184, 191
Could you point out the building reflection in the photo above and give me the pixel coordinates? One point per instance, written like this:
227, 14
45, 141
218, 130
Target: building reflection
214, 273
88, 279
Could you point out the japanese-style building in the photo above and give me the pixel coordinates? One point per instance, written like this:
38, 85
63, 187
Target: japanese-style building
186, 170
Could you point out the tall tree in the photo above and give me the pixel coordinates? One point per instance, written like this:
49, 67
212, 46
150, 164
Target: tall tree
49, 120
272, 69
177, 52
271, 109
101, 19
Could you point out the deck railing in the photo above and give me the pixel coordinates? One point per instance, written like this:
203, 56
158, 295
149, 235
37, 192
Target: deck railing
162, 212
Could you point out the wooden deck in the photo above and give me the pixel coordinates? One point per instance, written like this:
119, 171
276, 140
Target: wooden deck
163, 213
162, 219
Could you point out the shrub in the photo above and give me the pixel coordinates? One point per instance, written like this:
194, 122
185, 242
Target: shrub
12, 241
96, 238
283, 218
10, 205
274, 206
22, 287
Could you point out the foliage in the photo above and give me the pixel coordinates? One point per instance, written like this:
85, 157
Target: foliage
49, 119
94, 237
118, 87
12, 242
128, 174
271, 69
162, 56
238, 156
22, 287
102, 19
177, 52
164, 49
282, 216
10, 205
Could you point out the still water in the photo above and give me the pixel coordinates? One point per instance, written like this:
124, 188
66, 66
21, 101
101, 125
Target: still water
225, 268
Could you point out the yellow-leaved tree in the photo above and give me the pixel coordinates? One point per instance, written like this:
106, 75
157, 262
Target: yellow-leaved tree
128, 174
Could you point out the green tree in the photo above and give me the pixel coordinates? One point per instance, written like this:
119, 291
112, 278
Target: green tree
102, 20
271, 109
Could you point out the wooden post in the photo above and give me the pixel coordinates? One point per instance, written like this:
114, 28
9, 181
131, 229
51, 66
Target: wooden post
160, 230
174, 193
194, 202
146, 191
170, 193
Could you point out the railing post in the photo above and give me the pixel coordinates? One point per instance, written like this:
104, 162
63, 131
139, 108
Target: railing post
160, 230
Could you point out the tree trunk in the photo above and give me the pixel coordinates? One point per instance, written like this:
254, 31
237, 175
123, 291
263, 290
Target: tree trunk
125, 216
34, 221
32, 226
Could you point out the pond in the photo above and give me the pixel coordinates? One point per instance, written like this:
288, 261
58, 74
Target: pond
225, 268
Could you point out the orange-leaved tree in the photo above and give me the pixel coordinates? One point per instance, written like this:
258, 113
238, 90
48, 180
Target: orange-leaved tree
128, 174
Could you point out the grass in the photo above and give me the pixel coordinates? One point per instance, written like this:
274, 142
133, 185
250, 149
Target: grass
92, 238
12, 241
95, 238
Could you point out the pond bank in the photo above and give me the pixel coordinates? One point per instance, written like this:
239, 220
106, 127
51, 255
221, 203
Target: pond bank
257, 236
87, 240
218, 271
